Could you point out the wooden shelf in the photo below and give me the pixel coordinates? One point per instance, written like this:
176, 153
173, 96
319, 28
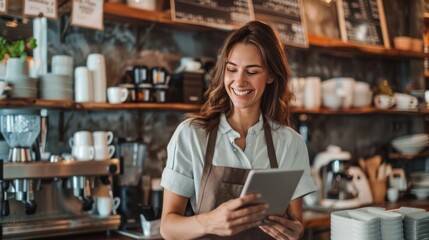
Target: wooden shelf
336, 45
123, 11
71, 105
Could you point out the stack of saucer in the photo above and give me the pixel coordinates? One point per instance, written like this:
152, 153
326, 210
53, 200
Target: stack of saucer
24, 87
416, 226
354, 225
56, 87
390, 223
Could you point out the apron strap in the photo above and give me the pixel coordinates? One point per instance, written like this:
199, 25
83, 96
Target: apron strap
270, 145
208, 160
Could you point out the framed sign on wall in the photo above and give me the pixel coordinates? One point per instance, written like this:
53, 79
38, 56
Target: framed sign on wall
363, 21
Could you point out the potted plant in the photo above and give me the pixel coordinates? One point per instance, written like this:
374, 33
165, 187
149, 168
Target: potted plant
16, 51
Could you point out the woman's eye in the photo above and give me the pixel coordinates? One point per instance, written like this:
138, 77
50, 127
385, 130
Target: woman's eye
251, 72
231, 70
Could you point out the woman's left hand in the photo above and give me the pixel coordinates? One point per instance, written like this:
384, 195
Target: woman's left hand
283, 227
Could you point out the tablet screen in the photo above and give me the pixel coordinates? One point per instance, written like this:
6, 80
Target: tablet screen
276, 186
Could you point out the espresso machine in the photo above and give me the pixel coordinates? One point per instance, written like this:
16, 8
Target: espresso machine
340, 185
44, 198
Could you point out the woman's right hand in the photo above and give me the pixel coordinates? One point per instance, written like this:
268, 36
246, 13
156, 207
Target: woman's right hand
233, 216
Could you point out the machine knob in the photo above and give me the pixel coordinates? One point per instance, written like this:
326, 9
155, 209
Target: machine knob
112, 168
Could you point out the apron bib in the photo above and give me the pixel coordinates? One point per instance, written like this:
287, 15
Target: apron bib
220, 184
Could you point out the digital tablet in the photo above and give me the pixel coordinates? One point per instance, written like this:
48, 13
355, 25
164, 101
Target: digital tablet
275, 185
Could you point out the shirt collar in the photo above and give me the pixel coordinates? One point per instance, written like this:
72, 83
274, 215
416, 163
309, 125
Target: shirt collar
224, 126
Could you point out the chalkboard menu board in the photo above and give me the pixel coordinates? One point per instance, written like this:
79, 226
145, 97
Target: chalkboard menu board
287, 17
216, 13
363, 21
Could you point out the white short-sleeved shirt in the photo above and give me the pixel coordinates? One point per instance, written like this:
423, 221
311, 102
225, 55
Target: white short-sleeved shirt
187, 148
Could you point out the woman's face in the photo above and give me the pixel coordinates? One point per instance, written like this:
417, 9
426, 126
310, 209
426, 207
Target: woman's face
245, 76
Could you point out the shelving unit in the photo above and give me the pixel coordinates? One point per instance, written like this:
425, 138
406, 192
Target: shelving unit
124, 11
92, 106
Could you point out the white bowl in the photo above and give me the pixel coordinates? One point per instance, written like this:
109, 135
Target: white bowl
420, 193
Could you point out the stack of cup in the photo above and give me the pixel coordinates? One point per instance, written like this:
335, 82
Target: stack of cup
82, 146
83, 85
102, 147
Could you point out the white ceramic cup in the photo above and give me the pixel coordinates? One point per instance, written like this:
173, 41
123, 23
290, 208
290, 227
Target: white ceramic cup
81, 138
312, 93
62, 64
383, 101
104, 152
97, 64
102, 138
117, 95
105, 205
405, 101
332, 101
392, 194
83, 85
83, 152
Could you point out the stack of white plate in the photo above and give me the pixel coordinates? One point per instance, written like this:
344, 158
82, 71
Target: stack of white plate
23, 87
56, 87
416, 226
420, 184
411, 144
390, 224
354, 225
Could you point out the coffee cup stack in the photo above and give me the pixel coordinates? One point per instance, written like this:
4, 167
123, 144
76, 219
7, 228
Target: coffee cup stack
82, 146
102, 148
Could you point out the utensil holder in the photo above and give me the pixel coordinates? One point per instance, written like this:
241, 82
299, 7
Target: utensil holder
378, 188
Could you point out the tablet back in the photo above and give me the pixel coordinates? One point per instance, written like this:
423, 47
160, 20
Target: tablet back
277, 187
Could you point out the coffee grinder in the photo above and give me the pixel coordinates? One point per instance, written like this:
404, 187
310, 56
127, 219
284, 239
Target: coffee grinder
20, 128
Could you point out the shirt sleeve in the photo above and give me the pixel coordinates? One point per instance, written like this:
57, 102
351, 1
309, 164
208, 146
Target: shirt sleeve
177, 175
306, 185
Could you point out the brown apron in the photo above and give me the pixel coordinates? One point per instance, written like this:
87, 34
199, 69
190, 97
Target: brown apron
220, 184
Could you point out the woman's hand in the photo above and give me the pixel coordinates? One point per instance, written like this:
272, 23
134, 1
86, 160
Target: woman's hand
233, 216
283, 227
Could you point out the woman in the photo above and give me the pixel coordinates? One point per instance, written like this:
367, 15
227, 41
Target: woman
242, 126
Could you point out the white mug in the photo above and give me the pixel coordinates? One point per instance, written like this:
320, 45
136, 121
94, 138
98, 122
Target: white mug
105, 205
392, 194
103, 152
383, 101
81, 138
83, 85
102, 138
405, 101
117, 94
83, 153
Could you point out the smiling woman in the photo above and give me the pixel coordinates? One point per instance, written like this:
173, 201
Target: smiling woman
243, 125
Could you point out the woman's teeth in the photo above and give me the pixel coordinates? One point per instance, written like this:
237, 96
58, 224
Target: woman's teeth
241, 93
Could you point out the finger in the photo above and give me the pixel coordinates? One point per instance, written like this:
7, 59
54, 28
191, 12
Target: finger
290, 213
239, 202
287, 227
273, 232
257, 216
260, 208
243, 227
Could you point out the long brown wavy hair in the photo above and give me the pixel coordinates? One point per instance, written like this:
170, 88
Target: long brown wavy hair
275, 103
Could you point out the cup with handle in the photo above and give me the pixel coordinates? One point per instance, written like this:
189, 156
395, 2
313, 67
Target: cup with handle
104, 152
83, 153
102, 138
81, 138
105, 205
383, 101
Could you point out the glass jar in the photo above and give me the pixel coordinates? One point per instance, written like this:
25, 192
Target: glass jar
161, 93
144, 92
